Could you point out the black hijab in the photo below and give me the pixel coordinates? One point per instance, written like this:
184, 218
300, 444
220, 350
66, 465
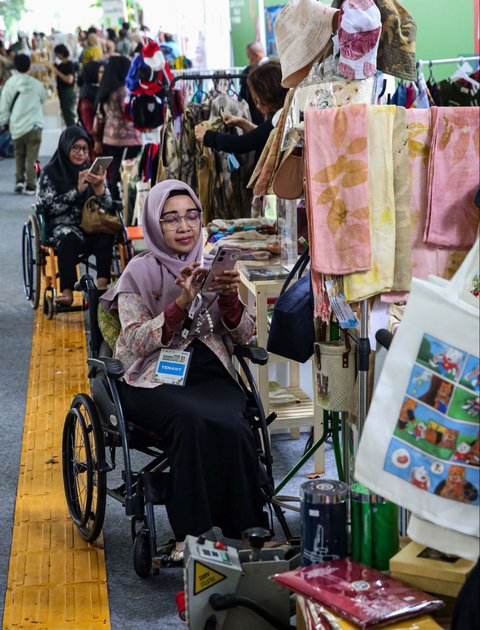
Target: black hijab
116, 70
60, 169
89, 87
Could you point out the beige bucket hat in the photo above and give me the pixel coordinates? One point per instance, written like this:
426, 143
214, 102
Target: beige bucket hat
302, 30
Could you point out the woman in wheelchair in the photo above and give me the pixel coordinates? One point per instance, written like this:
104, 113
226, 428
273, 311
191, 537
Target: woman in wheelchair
64, 186
207, 438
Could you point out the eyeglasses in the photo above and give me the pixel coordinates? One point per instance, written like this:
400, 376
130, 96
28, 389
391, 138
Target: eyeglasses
79, 148
172, 221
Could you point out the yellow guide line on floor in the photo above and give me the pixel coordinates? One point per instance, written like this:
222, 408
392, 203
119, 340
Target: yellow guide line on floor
55, 580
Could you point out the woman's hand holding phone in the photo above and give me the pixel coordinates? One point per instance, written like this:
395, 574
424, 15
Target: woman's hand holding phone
97, 182
226, 283
190, 281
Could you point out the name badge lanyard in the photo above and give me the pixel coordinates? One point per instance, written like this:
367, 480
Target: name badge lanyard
195, 306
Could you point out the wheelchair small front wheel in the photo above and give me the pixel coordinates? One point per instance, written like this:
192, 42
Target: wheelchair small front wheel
142, 554
84, 475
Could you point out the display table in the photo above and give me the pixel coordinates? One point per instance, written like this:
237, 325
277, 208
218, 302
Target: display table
289, 416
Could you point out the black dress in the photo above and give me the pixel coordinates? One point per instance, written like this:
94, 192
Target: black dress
214, 468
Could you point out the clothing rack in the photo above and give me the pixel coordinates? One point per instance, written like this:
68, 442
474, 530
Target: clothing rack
423, 62
190, 75
208, 71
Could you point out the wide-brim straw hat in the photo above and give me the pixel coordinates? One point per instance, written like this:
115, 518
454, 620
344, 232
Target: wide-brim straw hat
302, 30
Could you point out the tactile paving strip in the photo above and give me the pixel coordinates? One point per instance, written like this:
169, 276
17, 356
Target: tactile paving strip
56, 580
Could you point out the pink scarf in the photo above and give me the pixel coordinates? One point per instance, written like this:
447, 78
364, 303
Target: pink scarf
427, 259
337, 189
453, 177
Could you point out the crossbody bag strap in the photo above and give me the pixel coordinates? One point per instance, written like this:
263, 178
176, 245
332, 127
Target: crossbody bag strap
298, 268
13, 105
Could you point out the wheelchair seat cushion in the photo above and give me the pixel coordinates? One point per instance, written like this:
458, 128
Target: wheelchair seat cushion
109, 325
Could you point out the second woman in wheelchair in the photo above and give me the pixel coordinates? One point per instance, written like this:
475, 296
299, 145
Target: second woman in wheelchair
64, 186
206, 436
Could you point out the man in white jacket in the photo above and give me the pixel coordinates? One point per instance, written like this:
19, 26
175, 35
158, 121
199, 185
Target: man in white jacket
21, 110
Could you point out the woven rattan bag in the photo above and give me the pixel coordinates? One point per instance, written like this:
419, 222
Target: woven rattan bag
335, 369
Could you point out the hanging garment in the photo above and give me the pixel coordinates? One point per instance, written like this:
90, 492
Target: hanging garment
338, 189
225, 104
240, 197
189, 148
260, 178
423, 98
402, 186
399, 96
206, 170
454, 94
412, 93
426, 259
453, 177
381, 204
170, 158
270, 157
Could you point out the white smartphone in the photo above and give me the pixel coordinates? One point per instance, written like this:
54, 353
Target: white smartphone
225, 260
100, 162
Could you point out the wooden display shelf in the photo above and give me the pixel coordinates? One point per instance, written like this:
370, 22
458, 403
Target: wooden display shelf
290, 416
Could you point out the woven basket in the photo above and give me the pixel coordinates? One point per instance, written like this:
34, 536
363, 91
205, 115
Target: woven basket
335, 370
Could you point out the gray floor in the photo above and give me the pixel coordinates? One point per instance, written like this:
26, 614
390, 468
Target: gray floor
134, 603
16, 324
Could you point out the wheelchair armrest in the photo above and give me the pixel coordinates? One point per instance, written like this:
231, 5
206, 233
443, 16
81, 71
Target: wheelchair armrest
111, 367
256, 355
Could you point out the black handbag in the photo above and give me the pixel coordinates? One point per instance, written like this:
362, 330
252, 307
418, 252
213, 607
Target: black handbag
292, 331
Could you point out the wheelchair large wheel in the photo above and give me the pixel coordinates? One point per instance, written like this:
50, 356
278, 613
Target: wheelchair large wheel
84, 476
31, 260
142, 554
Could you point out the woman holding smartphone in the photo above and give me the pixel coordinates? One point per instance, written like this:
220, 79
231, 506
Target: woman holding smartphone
63, 188
214, 469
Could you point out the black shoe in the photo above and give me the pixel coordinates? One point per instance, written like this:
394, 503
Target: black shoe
19, 188
30, 191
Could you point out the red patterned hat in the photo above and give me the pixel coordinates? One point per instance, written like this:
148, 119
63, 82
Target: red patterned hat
359, 28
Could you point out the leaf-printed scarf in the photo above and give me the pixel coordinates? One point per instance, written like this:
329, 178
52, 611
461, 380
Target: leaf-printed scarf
453, 177
337, 189
381, 201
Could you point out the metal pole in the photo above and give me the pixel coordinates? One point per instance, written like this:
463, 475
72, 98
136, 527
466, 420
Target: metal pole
363, 362
347, 463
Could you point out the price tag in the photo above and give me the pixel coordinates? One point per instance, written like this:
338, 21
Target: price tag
172, 366
346, 317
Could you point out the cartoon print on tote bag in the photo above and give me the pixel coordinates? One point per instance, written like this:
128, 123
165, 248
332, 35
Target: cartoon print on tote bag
436, 441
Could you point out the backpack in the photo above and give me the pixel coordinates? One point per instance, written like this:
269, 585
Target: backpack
147, 111
6, 144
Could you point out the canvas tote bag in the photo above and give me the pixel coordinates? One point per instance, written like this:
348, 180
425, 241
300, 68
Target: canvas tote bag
335, 371
420, 444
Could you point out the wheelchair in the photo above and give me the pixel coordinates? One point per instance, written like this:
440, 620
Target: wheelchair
39, 261
96, 430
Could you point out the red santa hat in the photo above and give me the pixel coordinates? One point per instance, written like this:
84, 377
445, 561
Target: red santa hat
153, 56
